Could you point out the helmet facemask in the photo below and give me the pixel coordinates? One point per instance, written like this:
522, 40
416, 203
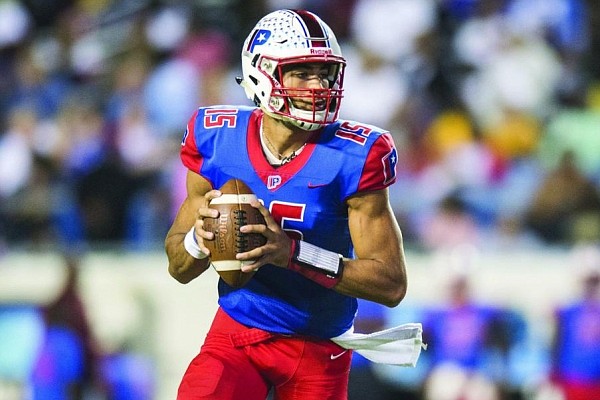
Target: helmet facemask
307, 108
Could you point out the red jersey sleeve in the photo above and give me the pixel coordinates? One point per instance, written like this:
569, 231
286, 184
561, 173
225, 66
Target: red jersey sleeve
379, 170
190, 157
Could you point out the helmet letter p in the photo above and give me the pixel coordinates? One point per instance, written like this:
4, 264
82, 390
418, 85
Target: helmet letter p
259, 38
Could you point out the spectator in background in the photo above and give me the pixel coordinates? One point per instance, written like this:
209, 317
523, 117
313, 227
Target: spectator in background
462, 337
457, 162
70, 364
516, 135
450, 225
382, 55
67, 366
507, 66
574, 127
458, 158
369, 71
21, 335
35, 84
565, 26
16, 149
576, 346
26, 182
566, 206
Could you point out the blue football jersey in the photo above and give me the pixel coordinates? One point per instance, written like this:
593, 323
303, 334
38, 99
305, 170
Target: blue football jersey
306, 196
578, 347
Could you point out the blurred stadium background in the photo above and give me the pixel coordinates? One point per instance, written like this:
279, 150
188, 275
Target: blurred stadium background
494, 106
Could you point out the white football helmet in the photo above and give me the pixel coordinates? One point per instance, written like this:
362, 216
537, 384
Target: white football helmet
287, 37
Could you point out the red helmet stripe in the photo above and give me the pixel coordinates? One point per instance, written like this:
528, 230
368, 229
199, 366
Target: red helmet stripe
315, 30
251, 41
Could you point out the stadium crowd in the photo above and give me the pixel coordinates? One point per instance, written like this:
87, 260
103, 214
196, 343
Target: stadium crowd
494, 106
487, 100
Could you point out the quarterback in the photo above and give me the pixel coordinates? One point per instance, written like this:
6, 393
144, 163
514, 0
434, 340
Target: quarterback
330, 234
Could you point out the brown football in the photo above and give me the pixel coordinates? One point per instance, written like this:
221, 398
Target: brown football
234, 211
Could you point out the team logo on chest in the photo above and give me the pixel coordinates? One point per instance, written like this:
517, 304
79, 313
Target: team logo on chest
273, 181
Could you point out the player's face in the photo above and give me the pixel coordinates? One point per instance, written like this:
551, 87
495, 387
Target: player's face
314, 76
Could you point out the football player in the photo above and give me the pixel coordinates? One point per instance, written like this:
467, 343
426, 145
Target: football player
331, 235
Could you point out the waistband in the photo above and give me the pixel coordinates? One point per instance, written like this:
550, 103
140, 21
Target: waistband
239, 334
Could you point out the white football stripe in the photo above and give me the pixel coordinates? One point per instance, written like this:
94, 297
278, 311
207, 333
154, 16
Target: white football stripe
229, 265
234, 199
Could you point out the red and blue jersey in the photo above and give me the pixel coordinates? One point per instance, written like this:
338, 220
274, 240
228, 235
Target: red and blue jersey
462, 335
578, 344
306, 196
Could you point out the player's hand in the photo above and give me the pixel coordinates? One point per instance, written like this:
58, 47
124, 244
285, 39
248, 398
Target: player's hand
277, 249
205, 212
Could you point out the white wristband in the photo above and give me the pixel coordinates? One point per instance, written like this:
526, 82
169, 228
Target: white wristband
326, 261
191, 245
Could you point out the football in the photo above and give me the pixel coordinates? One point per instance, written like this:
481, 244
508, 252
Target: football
234, 211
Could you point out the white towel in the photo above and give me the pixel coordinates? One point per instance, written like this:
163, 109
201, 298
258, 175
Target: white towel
400, 345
